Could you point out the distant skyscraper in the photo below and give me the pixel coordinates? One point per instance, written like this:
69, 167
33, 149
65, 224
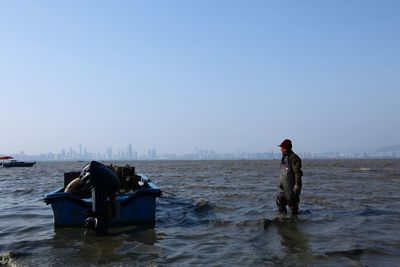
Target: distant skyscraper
152, 153
130, 152
109, 153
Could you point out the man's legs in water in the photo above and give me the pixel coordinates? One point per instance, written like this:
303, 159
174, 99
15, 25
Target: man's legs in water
281, 202
294, 208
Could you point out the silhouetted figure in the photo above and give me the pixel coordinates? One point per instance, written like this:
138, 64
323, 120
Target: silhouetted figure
290, 179
103, 183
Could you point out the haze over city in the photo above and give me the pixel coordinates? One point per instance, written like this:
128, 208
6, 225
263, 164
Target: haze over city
216, 75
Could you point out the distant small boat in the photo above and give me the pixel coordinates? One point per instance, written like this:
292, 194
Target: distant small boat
8, 162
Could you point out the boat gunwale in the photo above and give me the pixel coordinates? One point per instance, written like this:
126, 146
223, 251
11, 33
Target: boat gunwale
123, 199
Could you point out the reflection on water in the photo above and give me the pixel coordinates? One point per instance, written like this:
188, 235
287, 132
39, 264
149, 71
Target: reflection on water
122, 244
217, 213
292, 238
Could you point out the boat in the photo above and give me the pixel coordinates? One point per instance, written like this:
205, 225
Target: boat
8, 162
15, 163
133, 204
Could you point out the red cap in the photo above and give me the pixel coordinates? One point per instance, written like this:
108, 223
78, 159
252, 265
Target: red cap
287, 144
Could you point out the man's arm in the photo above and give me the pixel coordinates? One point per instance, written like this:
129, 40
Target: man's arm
298, 173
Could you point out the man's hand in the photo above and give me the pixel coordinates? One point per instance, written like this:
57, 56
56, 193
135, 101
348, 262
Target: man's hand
296, 189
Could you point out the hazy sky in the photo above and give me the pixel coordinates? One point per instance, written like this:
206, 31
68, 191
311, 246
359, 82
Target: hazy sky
218, 75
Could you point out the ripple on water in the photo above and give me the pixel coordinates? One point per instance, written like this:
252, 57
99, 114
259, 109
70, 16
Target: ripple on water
218, 213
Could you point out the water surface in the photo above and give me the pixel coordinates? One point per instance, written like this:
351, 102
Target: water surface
217, 213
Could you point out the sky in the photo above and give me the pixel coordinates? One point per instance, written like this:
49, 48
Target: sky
222, 75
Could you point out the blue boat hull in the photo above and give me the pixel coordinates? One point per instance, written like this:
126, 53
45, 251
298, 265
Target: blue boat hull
133, 208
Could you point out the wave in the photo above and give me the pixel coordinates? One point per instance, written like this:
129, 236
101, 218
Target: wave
202, 205
375, 212
363, 169
354, 252
175, 211
9, 259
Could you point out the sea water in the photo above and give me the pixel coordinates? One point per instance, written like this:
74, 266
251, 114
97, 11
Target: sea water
216, 213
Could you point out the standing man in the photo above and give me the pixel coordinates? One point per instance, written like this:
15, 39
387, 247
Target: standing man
289, 180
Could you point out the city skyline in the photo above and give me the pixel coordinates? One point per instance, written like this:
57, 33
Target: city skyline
82, 153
